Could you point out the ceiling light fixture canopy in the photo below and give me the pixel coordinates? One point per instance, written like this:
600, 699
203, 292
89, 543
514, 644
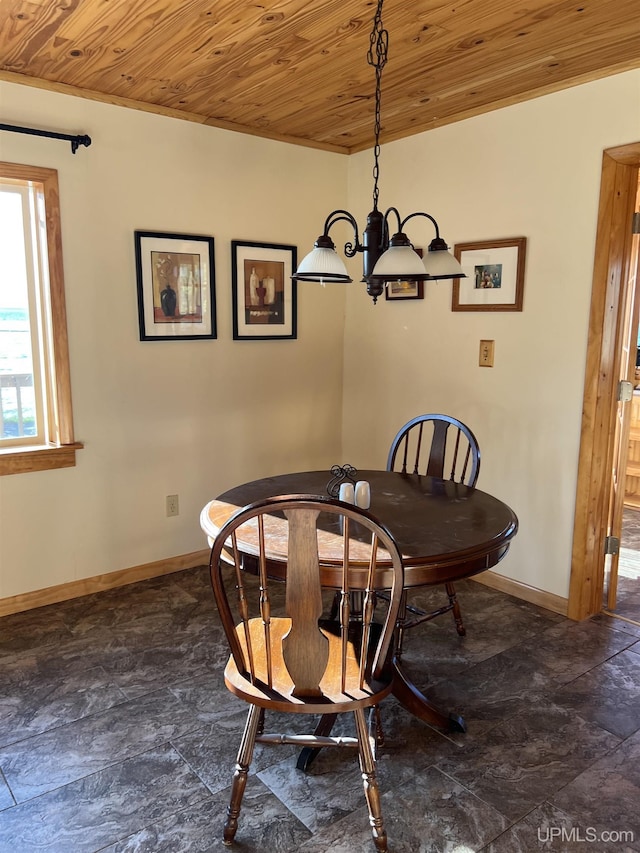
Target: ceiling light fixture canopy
385, 258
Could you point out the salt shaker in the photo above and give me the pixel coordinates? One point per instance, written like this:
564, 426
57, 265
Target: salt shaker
363, 494
347, 493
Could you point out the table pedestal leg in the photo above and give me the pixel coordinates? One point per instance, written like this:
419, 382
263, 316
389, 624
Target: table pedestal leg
417, 704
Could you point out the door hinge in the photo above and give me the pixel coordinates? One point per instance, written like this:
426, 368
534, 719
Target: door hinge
635, 223
611, 545
625, 391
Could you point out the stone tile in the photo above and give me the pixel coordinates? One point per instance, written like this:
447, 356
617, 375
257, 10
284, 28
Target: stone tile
564, 652
211, 750
151, 660
68, 657
264, 824
518, 764
628, 596
548, 828
32, 629
491, 691
208, 697
608, 695
494, 622
6, 800
160, 597
616, 624
606, 795
59, 756
40, 703
328, 791
98, 810
432, 814
409, 745
196, 582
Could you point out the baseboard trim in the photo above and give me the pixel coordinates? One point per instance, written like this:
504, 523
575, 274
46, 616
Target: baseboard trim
548, 600
99, 583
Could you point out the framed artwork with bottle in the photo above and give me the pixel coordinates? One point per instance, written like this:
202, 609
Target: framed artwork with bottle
264, 296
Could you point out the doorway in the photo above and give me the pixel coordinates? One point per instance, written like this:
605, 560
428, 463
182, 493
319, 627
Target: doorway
618, 191
621, 595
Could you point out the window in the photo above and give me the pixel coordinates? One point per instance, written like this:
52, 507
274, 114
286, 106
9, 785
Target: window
36, 424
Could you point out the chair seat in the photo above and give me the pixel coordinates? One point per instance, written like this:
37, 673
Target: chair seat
280, 695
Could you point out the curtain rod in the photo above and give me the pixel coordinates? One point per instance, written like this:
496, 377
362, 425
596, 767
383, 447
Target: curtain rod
75, 141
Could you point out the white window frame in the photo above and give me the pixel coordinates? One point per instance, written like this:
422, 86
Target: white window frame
57, 447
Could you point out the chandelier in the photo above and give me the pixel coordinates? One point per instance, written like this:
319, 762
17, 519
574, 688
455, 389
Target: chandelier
385, 258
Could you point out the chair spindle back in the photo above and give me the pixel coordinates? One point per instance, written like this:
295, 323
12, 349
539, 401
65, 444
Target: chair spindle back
286, 631
438, 446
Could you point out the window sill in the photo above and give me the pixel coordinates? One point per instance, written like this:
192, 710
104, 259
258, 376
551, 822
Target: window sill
22, 460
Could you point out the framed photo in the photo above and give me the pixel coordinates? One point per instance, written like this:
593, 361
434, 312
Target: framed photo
264, 297
405, 289
176, 286
495, 276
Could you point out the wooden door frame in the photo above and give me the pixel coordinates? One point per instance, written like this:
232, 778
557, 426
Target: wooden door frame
618, 191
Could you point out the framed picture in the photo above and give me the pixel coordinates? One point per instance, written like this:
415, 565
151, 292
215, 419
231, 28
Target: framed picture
405, 289
495, 276
176, 286
264, 297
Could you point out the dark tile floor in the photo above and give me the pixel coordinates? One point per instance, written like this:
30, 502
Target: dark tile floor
117, 735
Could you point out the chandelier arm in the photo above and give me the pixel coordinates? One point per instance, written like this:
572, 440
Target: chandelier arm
350, 249
427, 216
398, 219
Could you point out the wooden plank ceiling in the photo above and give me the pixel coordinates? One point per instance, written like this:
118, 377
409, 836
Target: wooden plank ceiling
296, 70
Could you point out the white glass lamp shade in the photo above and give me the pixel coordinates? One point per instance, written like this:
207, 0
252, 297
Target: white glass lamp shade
440, 263
400, 263
322, 265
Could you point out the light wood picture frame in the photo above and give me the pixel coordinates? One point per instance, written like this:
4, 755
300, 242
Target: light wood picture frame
495, 275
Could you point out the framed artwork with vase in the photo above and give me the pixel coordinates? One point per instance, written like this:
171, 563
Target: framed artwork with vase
176, 286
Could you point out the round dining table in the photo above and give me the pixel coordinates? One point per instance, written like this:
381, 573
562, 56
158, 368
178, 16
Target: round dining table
445, 531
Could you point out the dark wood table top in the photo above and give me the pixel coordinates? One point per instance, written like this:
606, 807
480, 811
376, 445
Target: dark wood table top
445, 531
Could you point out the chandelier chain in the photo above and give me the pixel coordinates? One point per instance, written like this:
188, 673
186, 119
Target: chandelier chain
377, 58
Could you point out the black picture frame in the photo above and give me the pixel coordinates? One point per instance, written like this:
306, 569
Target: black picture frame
264, 295
175, 275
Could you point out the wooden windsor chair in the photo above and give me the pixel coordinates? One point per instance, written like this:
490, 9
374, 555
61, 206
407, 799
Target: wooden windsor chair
298, 662
437, 446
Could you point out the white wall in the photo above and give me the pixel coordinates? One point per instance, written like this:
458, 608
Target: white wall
184, 417
529, 170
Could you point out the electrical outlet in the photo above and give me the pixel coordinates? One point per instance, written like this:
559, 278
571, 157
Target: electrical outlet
172, 505
486, 353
